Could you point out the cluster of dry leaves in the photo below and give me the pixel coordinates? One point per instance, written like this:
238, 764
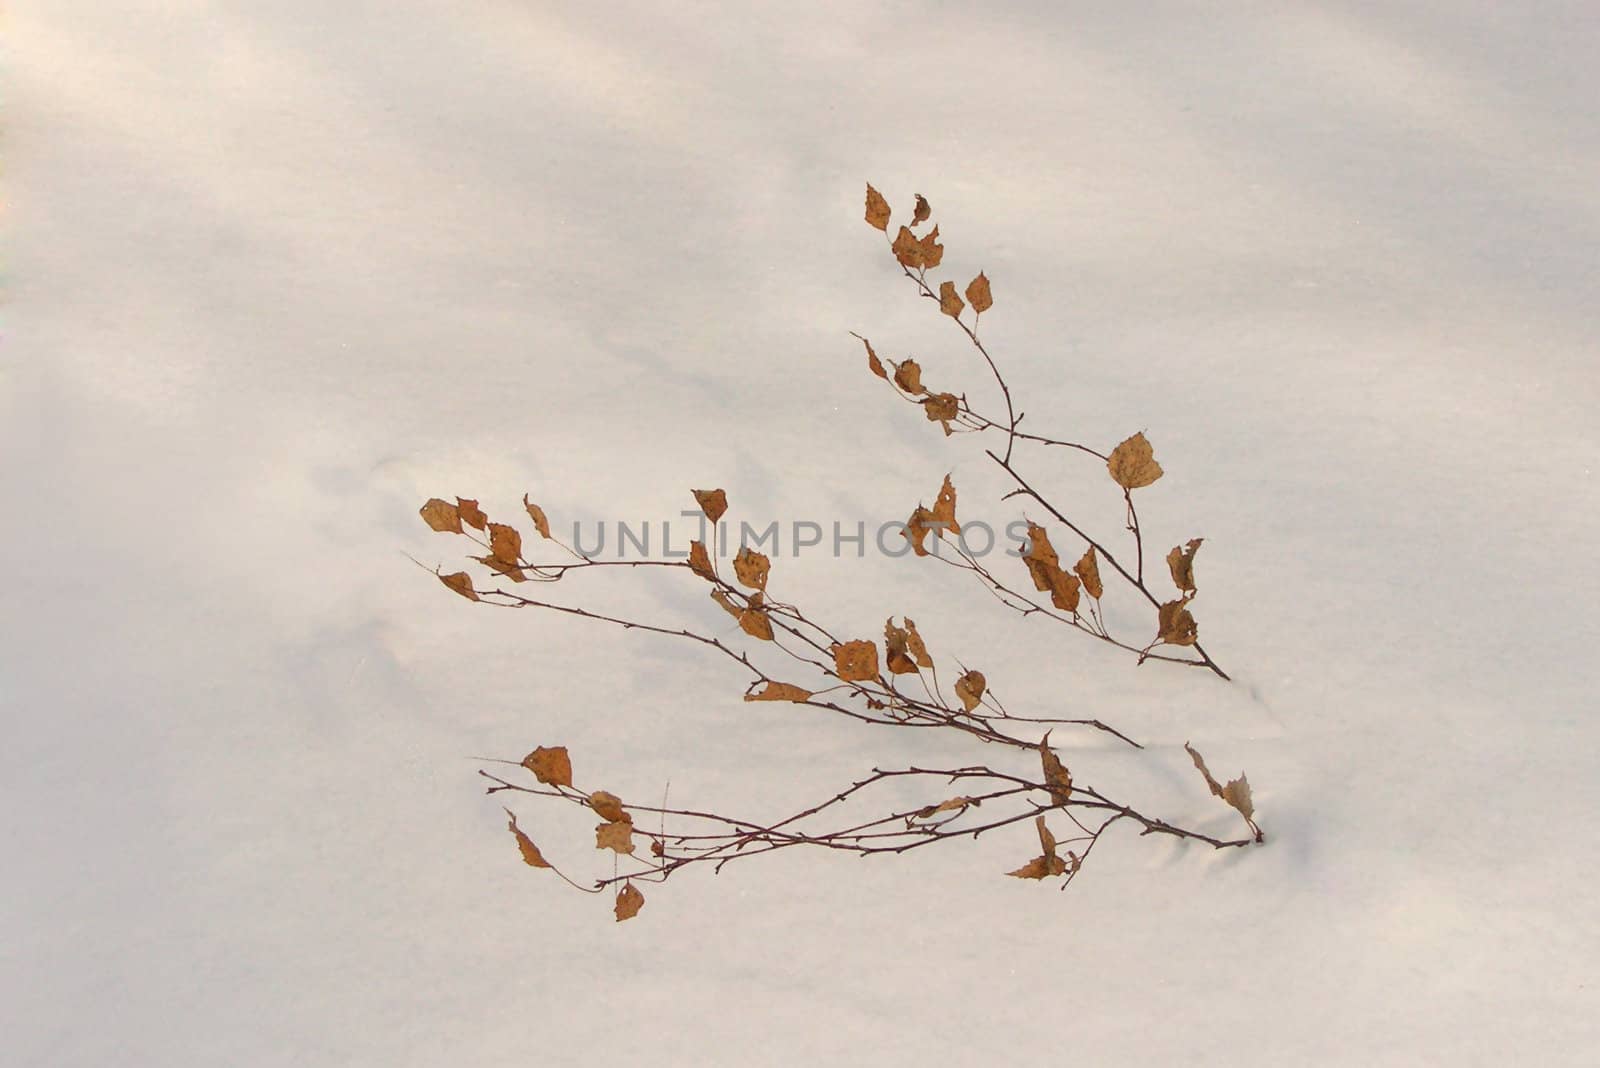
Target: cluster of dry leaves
892, 681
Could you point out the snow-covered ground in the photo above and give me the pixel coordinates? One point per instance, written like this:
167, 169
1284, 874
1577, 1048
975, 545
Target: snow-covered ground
277, 273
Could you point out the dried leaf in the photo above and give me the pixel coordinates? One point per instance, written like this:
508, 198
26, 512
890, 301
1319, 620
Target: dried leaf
1133, 463
906, 249
877, 209
929, 251
550, 765
920, 213
942, 408
441, 516
629, 902
607, 806
712, 502
752, 568
1180, 561
969, 688
1200, 763
895, 643
917, 528
1045, 568
1040, 867
502, 567
919, 651
1177, 625
947, 806
530, 852
949, 302
875, 364
1089, 571
780, 691
908, 376
1042, 552
1047, 841
1056, 776
753, 621
615, 835
1236, 793
505, 544
700, 561
540, 523
978, 294
471, 514
461, 582
856, 661
944, 509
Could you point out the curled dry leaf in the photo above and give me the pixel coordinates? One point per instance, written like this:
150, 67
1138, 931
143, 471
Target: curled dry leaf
908, 376
1044, 565
1056, 776
753, 621
920, 213
1236, 793
969, 688
1089, 573
1133, 463
919, 651
471, 514
917, 528
942, 408
873, 363
1177, 625
895, 643
944, 509
1040, 867
550, 765
752, 568
505, 544
949, 302
1180, 561
511, 571
954, 804
629, 902
441, 516
535, 513
714, 503
856, 661
616, 835
877, 209
700, 561
978, 294
780, 691
460, 582
608, 806
530, 852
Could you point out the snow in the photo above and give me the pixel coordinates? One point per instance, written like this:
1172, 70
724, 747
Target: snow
279, 273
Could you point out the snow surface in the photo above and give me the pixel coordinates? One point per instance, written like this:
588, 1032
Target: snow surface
280, 272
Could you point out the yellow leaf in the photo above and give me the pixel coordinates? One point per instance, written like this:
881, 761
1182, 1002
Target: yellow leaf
1180, 561
949, 302
856, 661
461, 582
712, 502
1133, 463
978, 294
780, 691
505, 544
550, 765
969, 688
920, 213
1056, 777
607, 806
700, 561
530, 852
441, 516
629, 902
877, 208
875, 364
908, 376
540, 523
471, 513
1089, 571
944, 509
1177, 625
616, 835
752, 568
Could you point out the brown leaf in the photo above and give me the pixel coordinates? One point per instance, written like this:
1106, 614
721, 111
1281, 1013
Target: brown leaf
920, 213
712, 502
1200, 763
895, 643
616, 835
461, 582
873, 362
501, 567
944, 508
441, 516
1040, 867
978, 294
1177, 625
752, 568
530, 852
908, 376
471, 514
942, 408
1041, 551
1236, 793
919, 651
917, 528
629, 902
1045, 568
1133, 463
969, 688
780, 691
700, 561
949, 302
929, 251
877, 209
608, 806
505, 544
753, 621
1181, 563
1089, 571
1047, 841
550, 765
1056, 777
906, 249
856, 661
540, 523
947, 806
